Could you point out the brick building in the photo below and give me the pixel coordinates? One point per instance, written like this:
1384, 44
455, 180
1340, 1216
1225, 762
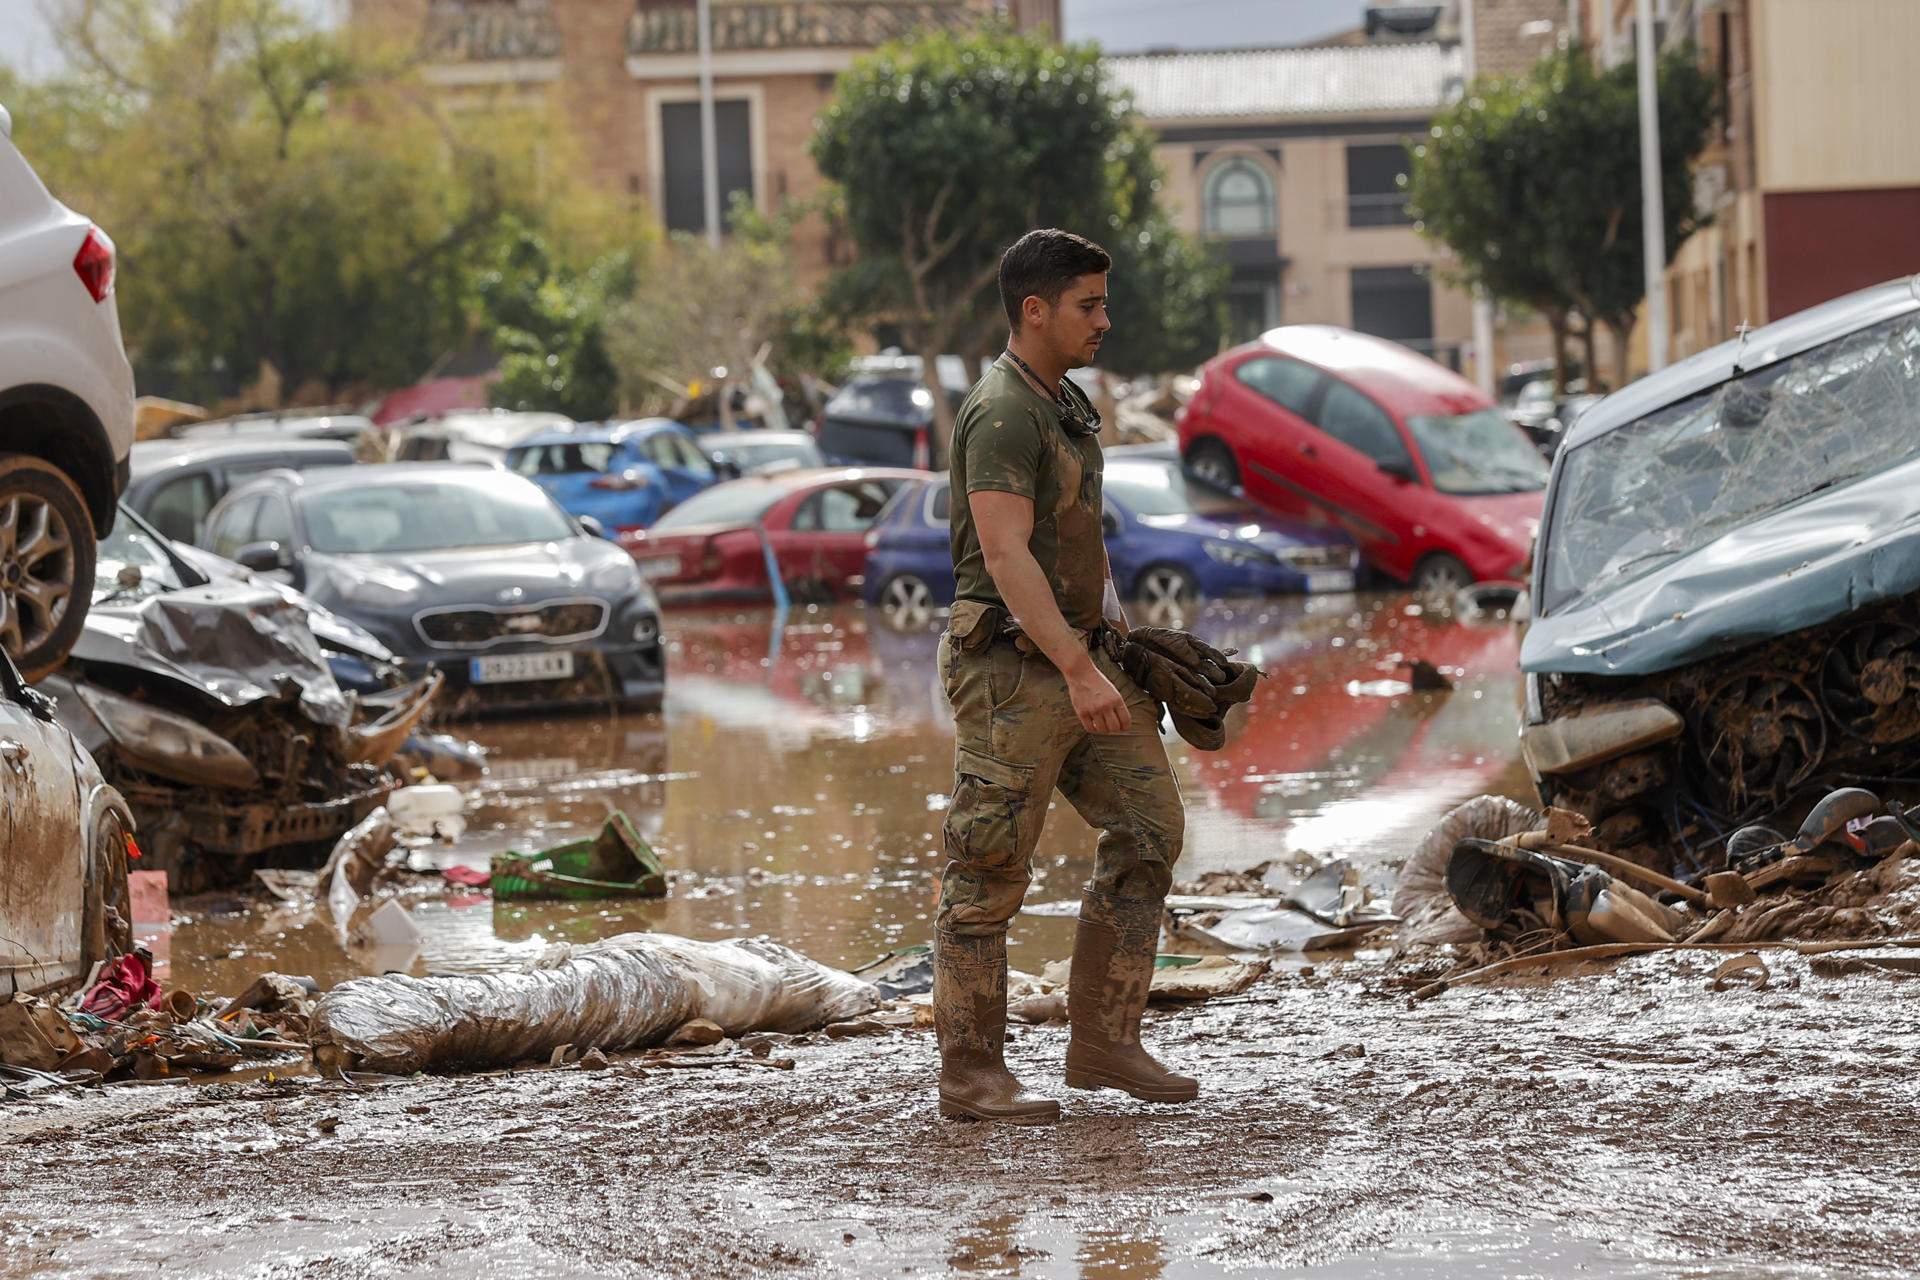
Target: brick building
627, 72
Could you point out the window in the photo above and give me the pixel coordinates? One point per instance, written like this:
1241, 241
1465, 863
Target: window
1374, 197
684, 200
692, 459
275, 521
1394, 303
486, 509
179, 507
234, 528
561, 459
1239, 199
849, 509
1287, 383
940, 505
1359, 423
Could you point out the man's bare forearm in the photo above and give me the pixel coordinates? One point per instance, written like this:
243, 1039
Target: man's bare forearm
1029, 597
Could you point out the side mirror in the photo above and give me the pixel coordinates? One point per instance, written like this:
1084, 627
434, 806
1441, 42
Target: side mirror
1401, 471
264, 557
725, 468
593, 526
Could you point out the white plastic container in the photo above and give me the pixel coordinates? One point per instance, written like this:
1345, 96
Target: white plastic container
431, 809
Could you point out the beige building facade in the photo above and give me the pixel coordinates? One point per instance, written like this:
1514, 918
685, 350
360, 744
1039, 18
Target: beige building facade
1810, 182
1289, 160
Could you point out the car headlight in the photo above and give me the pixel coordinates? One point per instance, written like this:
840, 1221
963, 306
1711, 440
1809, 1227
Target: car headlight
169, 745
616, 577
1235, 553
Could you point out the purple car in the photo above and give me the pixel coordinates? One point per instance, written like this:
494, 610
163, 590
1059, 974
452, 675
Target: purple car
1173, 542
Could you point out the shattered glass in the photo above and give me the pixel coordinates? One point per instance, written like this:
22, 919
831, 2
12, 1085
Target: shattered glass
1657, 489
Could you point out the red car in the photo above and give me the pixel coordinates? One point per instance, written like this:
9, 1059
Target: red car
712, 548
1426, 474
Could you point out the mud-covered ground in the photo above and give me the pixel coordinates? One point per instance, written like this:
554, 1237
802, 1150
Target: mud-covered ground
1628, 1122
1624, 1123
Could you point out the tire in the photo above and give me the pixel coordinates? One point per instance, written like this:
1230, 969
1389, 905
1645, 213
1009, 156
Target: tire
1167, 594
108, 929
1441, 575
905, 602
47, 555
1213, 462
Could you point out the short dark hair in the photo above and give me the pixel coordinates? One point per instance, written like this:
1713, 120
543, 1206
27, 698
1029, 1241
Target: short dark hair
1044, 264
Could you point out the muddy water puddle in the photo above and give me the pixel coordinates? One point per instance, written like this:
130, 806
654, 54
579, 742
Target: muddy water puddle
796, 782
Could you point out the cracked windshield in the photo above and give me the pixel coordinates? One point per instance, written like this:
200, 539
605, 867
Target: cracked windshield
1054, 639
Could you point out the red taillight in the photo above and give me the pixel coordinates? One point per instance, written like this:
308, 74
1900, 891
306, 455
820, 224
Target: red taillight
94, 264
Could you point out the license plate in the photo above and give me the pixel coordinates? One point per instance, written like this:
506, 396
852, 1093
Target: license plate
660, 567
508, 667
1330, 580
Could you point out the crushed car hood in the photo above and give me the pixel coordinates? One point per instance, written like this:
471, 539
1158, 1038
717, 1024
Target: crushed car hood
1797, 567
237, 643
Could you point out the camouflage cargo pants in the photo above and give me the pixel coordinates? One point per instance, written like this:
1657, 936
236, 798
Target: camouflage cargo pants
1016, 738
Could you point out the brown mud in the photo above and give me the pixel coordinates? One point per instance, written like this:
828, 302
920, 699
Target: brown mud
1627, 1121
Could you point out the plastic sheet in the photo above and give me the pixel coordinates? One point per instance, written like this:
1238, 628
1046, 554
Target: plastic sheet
1420, 896
627, 992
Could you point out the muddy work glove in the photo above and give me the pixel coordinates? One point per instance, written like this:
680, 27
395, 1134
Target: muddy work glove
1194, 681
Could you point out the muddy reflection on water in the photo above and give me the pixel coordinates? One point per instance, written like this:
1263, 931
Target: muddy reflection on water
797, 780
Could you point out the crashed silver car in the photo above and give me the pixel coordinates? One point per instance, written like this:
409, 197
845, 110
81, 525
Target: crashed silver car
1727, 586
214, 709
63, 866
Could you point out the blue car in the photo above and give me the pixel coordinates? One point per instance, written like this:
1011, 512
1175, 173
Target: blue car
624, 475
1173, 542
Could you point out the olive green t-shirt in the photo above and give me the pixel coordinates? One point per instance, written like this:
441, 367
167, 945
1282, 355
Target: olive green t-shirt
1009, 438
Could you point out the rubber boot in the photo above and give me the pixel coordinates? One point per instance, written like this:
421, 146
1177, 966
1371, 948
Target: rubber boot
970, 1018
1112, 965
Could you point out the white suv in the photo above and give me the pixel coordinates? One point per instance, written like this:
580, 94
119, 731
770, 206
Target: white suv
66, 413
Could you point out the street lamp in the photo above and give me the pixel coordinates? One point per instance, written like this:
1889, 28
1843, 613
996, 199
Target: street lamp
1482, 305
709, 146
1653, 214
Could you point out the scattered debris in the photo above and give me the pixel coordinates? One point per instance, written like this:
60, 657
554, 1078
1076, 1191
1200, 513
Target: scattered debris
617, 863
1749, 966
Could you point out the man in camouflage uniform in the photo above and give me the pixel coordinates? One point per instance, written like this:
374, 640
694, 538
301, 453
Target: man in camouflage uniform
1038, 704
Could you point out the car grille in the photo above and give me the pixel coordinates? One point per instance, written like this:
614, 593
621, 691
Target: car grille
479, 628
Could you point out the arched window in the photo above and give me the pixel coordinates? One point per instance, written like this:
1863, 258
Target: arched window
1239, 199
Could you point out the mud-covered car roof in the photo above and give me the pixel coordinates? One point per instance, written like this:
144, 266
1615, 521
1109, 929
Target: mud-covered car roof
363, 474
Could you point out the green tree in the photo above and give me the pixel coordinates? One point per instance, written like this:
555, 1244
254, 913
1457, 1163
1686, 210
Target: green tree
283, 199
1533, 183
947, 148
1168, 300
549, 323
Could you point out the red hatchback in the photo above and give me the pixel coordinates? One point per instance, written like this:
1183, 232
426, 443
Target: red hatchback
713, 547
1434, 483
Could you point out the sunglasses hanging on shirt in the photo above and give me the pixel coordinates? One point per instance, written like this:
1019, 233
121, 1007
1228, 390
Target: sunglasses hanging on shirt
1078, 417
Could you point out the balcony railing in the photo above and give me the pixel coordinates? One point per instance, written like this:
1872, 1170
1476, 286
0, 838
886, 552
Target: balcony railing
800, 24
490, 31
1384, 210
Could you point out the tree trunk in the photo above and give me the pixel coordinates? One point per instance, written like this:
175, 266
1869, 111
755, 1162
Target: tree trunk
1557, 326
1592, 345
1620, 329
943, 422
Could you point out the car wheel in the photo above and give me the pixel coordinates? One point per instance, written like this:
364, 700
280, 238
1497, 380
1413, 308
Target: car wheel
906, 602
108, 929
1441, 576
47, 552
1213, 462
1167, 594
